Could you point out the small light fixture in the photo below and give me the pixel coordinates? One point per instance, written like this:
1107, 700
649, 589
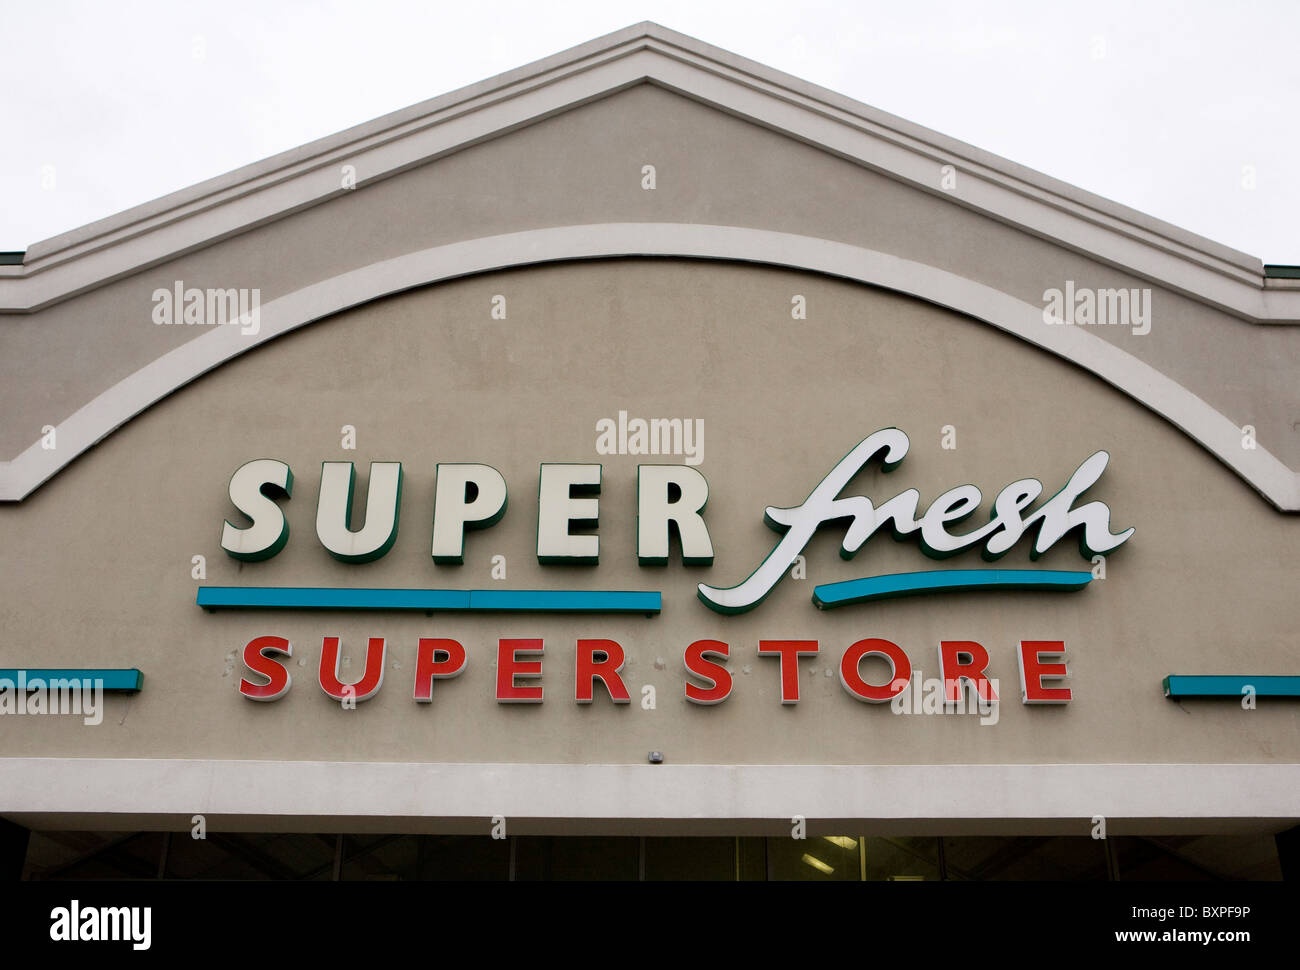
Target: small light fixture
655, 757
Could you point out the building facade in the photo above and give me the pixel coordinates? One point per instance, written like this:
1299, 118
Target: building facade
645, 464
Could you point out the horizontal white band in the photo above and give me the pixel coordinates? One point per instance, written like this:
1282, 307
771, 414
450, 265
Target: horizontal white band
39, 790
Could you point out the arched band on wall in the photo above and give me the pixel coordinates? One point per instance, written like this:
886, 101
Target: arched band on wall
1161, 394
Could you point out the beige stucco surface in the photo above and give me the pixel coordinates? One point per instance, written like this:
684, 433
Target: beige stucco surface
584, 166
96, 565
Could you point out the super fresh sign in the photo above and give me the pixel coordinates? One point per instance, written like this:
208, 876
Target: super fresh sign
669, 498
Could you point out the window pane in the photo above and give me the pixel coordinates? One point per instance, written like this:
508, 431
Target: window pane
241, 855
93, 855
995, 858
1197, 857
902, 858
690, 858
576, 857
816, 859
464, 857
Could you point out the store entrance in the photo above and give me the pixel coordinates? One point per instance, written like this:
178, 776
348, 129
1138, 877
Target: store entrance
69, 855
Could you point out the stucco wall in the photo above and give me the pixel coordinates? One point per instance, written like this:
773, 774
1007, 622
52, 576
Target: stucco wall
584, 166
96, 564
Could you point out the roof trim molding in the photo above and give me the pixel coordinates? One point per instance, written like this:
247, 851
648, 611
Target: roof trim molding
1161, 394
81, 260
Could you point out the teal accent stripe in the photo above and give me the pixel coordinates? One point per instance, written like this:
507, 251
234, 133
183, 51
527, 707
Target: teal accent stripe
11, 258
130, 680
1215, 686
830, 595
464, 600
1279, 272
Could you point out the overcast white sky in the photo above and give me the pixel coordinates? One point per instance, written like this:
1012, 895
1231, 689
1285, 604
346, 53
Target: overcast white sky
1168, 107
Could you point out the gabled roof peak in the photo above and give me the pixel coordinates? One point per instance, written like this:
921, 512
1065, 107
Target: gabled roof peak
649, 52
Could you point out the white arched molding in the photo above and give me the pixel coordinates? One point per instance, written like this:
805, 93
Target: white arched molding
130, 396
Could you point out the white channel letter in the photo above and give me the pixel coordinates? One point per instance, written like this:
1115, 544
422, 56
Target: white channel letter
657, 511
253, 489
468, 496
558, 506
334, 510
802, 521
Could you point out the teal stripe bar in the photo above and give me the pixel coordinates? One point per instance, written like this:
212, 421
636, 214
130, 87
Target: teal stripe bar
1216, 686
429, 600
129, 680
831, 595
